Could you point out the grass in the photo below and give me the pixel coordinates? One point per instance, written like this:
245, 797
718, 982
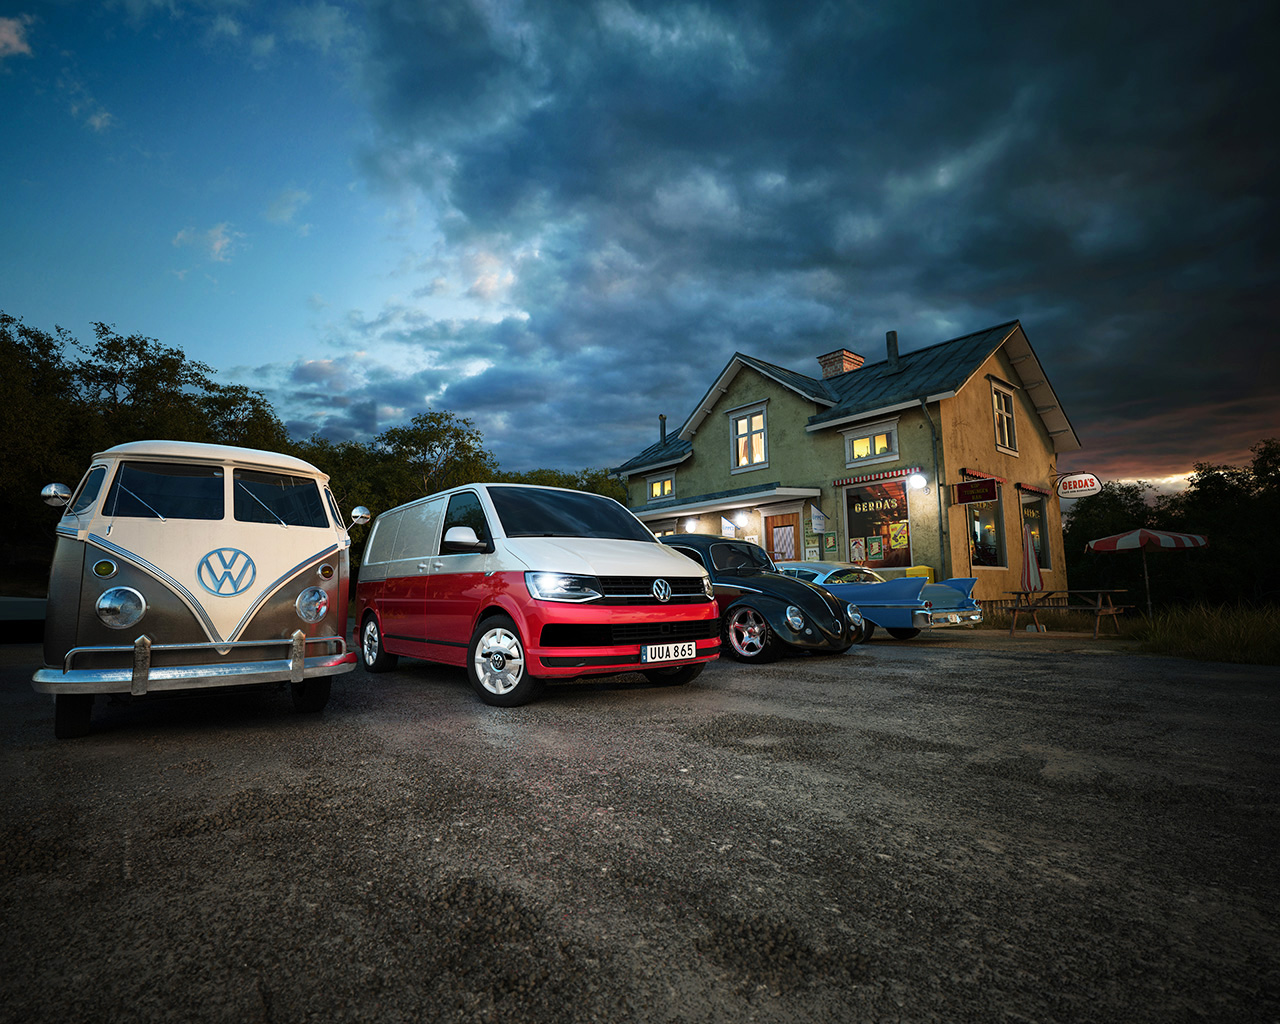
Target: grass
1240, 634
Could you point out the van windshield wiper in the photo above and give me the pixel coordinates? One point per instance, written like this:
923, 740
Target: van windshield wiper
141, 502
246, 490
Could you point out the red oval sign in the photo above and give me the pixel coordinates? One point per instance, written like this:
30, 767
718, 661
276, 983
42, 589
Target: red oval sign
1078, 485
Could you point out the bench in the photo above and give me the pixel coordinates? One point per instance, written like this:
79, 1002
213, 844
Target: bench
1034, 601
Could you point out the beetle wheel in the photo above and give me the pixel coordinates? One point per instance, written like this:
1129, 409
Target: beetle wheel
748, 637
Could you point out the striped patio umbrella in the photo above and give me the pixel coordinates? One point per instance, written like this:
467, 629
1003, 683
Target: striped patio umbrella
1143, 539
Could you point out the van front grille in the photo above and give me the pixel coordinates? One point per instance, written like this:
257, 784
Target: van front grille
638, 590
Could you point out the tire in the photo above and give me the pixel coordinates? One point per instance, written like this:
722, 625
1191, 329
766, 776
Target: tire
372, 655
904, 634
496, 664
676, 675
746, 635
71, 714
868, 627
310, 695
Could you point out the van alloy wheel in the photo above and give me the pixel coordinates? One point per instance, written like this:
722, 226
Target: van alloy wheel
372, 654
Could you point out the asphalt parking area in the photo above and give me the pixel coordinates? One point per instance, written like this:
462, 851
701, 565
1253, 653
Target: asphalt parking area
970, 826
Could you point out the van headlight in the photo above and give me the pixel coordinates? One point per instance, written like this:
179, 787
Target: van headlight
708, 588
559, 586
120, 607
312, 604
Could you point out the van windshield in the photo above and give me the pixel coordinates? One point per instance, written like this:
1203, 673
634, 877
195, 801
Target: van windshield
155, 490
278, 498
532, 512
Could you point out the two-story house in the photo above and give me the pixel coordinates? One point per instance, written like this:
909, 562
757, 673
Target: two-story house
862, 463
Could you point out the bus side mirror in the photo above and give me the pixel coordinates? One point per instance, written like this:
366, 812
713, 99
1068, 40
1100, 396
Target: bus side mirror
359, 516
56, 495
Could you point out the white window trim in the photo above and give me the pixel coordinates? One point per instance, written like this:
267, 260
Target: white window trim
851, 434
996, 389
738, 413
657, 477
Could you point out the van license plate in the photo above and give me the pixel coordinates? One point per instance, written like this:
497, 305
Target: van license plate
668, 652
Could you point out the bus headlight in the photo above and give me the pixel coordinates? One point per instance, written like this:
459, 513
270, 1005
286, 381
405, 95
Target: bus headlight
120, 607
312, 604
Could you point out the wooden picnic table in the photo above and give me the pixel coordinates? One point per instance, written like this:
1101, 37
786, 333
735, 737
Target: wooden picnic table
1096, 601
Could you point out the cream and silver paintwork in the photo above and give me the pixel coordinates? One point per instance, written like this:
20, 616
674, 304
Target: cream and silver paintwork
190, 635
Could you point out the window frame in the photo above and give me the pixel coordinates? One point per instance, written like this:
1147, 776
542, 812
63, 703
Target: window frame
660, 478
1006, 440
748, 412
869, 430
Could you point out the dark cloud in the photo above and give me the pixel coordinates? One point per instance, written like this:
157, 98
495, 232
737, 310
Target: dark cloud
657, 186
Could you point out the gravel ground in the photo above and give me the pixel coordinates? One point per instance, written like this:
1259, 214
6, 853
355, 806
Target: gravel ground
967, 827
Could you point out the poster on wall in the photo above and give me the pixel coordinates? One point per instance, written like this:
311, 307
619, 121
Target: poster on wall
857, 549
877, 516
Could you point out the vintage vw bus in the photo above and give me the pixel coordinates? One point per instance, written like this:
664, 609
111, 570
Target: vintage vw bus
180, 566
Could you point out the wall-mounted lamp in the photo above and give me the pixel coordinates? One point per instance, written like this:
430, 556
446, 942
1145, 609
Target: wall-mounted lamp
917, 482
691, 526
740, 519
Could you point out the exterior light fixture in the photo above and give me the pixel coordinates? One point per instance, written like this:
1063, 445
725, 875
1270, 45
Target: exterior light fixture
916, 482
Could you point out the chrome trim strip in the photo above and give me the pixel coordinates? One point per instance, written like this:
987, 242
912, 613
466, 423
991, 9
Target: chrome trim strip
164, 578
279, 582
67, 531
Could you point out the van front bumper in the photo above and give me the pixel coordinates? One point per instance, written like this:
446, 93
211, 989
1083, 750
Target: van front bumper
144, 677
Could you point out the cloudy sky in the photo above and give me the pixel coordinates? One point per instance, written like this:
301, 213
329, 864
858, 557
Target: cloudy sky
561, 218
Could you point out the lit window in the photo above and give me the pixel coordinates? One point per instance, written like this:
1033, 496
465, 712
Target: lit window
986, 533
1035, 517
871, 442
661, 487
749, 447
1006, 435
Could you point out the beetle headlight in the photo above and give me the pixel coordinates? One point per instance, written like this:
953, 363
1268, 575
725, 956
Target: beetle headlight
795, 617
120, 607
312, 604
559, 586
855, 616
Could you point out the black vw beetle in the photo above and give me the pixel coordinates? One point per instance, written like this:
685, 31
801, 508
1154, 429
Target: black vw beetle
761, 611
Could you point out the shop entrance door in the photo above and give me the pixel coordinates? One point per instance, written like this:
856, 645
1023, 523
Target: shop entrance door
780, 535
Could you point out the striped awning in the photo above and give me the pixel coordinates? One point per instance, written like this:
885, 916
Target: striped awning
867, 478
977, 474
1033, 489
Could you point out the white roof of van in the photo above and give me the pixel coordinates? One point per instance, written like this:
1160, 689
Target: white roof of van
179, 450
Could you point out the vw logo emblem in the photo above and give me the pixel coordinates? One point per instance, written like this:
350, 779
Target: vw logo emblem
662, 591
226, 572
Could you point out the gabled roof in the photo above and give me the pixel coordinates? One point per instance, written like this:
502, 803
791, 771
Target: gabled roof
876, 389
940, 371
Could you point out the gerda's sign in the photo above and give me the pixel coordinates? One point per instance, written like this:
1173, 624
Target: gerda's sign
1078, 485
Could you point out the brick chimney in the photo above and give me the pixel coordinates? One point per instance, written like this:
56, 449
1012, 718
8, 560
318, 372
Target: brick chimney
840, 361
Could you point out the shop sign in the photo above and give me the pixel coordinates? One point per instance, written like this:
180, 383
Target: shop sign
1078, 485
973, 492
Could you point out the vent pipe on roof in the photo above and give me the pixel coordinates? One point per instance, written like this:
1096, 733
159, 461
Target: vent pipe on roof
891, 347
662, 427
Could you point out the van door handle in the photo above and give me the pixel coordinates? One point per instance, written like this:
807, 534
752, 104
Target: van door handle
438, 565
422, 566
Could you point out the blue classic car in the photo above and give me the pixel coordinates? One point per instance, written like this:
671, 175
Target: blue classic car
762, 611
902, 607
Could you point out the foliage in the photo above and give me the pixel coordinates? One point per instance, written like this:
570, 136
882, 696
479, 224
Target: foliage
59, 411
1240, 634
1236, 507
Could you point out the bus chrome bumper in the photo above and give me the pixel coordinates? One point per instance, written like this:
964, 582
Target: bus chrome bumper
144, 678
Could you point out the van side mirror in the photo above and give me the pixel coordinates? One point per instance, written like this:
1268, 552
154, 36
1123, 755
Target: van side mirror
461, 538
359, 516
56, 494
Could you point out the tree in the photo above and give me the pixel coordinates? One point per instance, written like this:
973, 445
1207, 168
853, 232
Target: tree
440, 449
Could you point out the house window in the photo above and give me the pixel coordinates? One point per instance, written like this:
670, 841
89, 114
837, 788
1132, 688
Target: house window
1006, 434
661, 487
750, 450
870, 443
1035, 520
986, 533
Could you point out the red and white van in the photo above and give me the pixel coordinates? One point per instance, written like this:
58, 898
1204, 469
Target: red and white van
519, 584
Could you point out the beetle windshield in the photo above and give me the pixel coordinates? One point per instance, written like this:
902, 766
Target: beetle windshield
534, 512
740, 556
155, 490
